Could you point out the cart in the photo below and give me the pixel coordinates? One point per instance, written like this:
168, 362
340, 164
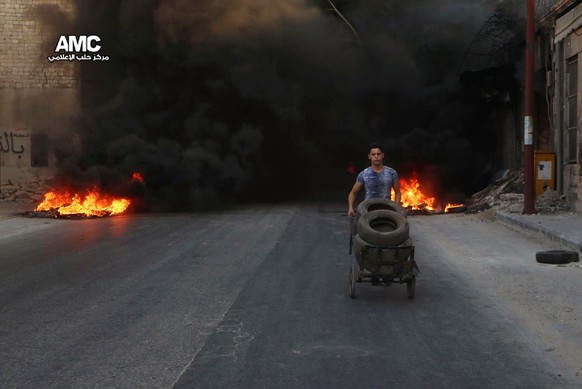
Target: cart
382, 266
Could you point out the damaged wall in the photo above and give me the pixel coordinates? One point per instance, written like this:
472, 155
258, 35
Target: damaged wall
568, 104
37, 98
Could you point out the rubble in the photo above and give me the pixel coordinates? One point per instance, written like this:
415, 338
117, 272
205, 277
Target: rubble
30, 192
506, 194
550, 201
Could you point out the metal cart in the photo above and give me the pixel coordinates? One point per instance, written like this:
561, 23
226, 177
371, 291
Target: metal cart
383, 266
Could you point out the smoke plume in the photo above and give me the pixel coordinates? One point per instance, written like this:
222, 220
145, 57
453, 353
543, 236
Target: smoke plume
216, 101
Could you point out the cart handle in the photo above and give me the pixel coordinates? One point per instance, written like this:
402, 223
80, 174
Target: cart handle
351, 227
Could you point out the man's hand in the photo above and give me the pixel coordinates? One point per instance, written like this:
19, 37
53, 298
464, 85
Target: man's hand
352, 198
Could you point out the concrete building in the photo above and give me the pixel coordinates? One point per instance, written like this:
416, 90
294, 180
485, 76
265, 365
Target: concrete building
494, 64
496, 55
39, 98
564, 26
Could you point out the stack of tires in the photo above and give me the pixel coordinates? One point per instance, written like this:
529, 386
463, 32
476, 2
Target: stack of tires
380, 223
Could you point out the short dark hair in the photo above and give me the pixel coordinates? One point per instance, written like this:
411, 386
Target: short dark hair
375, 146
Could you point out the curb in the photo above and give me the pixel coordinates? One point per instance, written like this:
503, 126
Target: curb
12, 209
552, 235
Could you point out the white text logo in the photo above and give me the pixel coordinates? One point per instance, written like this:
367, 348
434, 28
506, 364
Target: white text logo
78, 44
71, 45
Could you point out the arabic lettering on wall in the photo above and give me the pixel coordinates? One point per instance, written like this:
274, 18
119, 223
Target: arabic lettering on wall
12, 142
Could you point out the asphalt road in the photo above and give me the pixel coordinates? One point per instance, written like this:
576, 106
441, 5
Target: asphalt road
257, 298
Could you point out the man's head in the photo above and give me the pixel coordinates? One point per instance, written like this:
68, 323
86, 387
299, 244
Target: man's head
376, 154
375, 146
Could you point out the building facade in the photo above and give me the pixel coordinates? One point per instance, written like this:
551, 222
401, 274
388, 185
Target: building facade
39, 98
565, 84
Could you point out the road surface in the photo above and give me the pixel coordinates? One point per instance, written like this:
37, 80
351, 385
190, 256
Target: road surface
257, 298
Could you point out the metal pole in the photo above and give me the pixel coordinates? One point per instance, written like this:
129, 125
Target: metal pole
558, 81
528, 152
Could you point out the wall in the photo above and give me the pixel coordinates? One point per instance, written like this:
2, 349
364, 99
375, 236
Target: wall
568, 44
508, 147
36, 96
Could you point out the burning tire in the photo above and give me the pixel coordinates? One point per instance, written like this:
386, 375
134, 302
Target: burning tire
556, 256
383, 228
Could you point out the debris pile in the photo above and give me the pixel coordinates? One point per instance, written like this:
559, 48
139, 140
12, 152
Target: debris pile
30, 192
550, 201
507, 194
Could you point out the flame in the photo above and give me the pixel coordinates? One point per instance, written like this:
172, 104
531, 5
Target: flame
413, 198
137, 177
453, 205
91, 203
352, 168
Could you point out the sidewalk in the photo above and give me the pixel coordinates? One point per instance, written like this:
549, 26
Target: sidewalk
9, 209
565, 228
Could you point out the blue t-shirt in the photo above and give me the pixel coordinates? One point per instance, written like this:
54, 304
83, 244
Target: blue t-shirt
378, 185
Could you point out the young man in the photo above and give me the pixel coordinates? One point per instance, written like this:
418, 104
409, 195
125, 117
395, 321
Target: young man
377, 179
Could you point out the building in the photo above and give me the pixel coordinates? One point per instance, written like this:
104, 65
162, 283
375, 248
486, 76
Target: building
39, 98
564, 28
557, 93
494, 64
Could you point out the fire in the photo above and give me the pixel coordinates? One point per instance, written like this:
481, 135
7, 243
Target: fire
449, 206
91, 203
137, 177
352, 168
413, 198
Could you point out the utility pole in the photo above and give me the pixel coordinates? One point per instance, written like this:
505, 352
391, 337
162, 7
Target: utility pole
528, 123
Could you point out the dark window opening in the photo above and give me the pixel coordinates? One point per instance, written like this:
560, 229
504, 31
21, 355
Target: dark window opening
572, 109
39, 150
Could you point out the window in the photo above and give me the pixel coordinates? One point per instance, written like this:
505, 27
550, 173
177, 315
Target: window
39, 150
571, 118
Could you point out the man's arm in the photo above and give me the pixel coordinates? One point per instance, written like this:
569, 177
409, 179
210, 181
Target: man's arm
397, 195
352, 198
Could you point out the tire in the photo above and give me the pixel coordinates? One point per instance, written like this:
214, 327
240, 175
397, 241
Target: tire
557, 256
358, 247
378, 204
383, 228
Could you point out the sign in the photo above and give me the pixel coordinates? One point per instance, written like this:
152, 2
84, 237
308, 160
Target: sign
545, 170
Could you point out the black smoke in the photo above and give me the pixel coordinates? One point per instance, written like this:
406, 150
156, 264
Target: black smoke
219, 101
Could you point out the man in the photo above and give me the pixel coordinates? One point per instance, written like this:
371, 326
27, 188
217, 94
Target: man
377, 179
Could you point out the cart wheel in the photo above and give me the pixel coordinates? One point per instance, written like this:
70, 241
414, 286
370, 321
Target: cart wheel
411, 287
352, 281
